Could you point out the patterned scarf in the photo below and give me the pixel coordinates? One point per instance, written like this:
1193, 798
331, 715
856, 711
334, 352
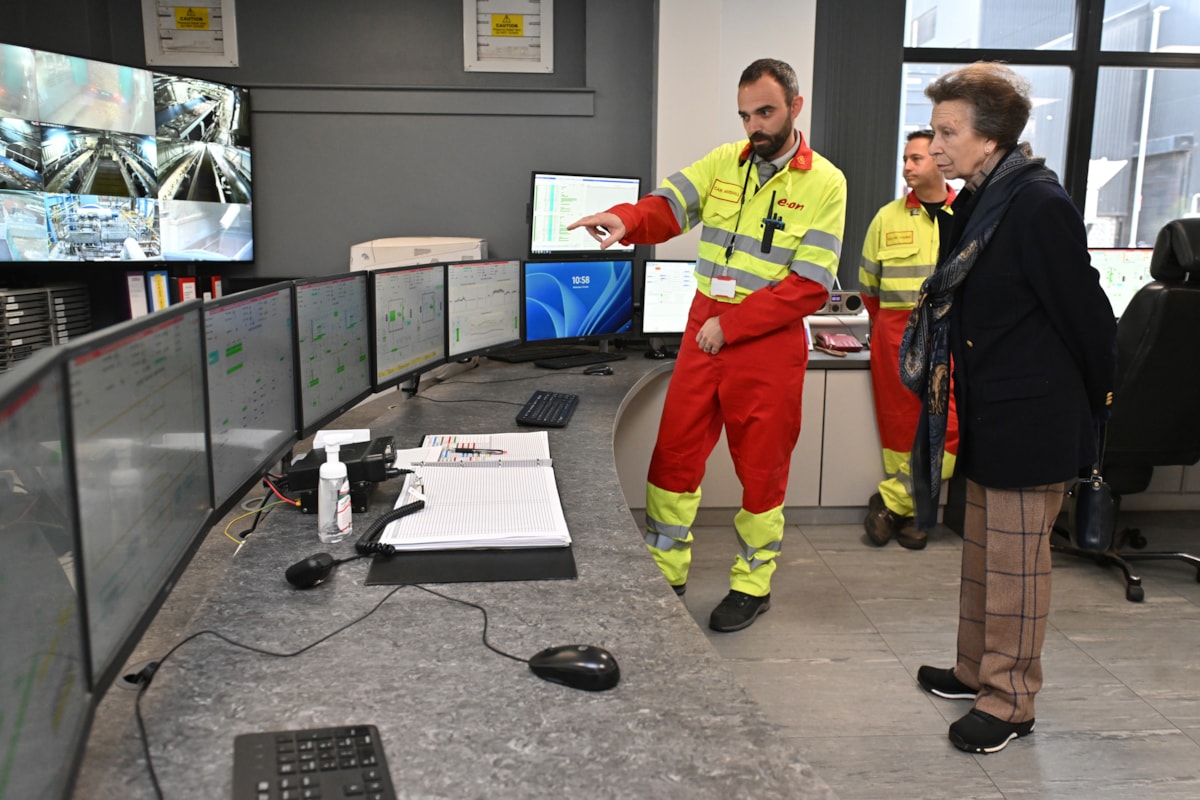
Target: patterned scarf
925, 345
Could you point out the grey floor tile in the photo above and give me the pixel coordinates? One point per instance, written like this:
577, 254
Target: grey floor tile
923, 767
834, 664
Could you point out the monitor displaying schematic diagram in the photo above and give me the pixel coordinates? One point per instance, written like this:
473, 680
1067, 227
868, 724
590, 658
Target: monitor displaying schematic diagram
333, 362
251, 386
408, 322
483, 307
139, 447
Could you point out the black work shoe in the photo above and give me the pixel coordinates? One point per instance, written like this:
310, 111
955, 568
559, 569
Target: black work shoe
881, 524
680, 589
944, 683
738, 611
980, 732
909, 537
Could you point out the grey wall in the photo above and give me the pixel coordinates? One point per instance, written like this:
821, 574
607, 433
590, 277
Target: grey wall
365, 124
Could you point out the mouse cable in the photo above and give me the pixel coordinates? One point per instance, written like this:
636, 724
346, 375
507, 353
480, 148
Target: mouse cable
483, 611
147, 673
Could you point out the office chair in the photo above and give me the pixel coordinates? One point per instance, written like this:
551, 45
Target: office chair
1154, 415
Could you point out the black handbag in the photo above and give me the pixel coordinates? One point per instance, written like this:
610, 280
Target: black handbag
1091, 515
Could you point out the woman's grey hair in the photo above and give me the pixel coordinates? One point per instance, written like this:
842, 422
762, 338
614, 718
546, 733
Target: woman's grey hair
998, 96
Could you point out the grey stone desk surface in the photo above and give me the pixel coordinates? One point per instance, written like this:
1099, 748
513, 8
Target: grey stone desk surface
456, 719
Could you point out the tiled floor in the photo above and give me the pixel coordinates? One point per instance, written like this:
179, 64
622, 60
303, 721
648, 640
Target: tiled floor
834, 663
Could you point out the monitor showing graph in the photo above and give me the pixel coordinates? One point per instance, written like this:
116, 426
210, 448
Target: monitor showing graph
251, 386
1122, 272
333, 363
483, 307
408, 322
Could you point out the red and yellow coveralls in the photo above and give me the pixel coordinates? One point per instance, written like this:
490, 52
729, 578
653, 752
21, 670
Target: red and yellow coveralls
753, 385
899, 253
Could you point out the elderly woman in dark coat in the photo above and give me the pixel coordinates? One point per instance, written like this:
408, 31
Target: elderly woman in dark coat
1016, 311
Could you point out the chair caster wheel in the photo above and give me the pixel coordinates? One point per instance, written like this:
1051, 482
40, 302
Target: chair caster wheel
1135, 594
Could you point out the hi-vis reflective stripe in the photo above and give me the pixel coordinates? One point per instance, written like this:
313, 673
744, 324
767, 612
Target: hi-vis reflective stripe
691, 199
748, 552
661, 536
779, 256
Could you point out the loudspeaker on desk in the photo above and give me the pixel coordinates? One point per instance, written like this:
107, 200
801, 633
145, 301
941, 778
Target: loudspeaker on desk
840, 302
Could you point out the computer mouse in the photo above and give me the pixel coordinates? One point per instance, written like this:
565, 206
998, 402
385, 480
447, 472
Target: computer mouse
598, 369
580, 666
310, 571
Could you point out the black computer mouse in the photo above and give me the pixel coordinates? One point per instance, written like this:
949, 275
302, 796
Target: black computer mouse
310, 571
598, 369
580, 666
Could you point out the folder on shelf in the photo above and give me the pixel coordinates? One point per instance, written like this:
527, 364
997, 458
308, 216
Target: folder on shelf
135, 291
184, 289
159, 289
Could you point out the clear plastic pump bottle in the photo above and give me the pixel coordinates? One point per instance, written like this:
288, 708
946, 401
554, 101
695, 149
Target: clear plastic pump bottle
333, 498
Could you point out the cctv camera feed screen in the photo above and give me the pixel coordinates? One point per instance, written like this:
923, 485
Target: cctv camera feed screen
577, 299
102, 162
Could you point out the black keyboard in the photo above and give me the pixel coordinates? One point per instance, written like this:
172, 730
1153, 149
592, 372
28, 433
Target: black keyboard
519, 355
546, 409
581, 360
326, 763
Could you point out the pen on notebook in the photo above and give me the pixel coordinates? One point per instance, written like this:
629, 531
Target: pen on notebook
482, 451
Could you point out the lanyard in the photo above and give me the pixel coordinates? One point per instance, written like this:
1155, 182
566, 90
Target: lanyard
741, 205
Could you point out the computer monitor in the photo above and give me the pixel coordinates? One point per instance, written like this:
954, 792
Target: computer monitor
408, 322
667, 291
333, 347
45, 707
577, 300
251, 366
143, 483
558, 199
483, 307
1122, 271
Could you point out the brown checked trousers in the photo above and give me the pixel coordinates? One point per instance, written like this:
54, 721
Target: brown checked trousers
1004, 598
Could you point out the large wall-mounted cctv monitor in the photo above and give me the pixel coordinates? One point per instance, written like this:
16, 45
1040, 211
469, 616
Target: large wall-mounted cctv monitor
251, 364
408, 322
558, 199
104, 162
667, 291
141, 471
333, 347
577, 300
483, 307
45, 705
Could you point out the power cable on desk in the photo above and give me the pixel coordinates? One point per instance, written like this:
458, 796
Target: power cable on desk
148, 672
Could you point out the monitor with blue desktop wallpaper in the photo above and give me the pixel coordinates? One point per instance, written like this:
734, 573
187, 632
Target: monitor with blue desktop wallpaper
103, 162
45, 705
1122, 272
251, 364
408, 322
141, 472
577, 300
667, 291
557, 199
483, 307
333, 347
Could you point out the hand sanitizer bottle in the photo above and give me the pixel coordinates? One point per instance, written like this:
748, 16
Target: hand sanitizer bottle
333, 498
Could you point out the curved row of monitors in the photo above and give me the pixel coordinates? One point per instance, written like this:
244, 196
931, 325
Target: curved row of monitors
102, 162
123, 447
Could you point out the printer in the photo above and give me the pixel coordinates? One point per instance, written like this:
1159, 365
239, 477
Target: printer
402, 251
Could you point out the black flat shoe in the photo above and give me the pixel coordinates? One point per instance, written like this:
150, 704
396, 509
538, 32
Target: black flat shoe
980, 732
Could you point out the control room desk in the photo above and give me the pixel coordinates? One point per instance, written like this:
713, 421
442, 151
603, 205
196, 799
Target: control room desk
457, 720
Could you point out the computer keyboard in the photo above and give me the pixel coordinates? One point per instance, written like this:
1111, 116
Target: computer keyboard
581, 360
325, 763
546, 409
